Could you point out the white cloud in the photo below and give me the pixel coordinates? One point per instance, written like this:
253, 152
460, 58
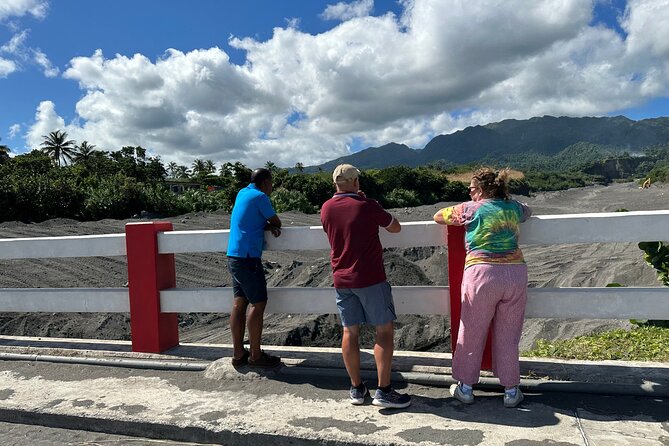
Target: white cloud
647, 22
433, 70
7, 67
43, 61
22, 53
293, 22
46, 120
14, 130
345, 11
18, 8
16, 43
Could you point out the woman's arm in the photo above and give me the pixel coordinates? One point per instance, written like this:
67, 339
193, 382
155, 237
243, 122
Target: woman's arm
439, 217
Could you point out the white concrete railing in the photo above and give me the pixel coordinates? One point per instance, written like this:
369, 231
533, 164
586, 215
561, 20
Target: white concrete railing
605, 303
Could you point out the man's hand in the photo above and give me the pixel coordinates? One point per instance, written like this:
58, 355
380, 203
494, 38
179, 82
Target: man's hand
275, 230
362, 194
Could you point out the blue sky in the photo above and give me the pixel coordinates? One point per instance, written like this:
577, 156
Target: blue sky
308, 81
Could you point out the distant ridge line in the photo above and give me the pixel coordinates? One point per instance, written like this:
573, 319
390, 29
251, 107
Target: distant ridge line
546, 135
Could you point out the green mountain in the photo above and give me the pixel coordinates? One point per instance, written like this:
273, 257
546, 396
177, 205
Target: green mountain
392, 154
513, 138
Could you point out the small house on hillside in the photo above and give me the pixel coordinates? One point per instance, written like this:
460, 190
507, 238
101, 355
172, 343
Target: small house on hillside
180, 186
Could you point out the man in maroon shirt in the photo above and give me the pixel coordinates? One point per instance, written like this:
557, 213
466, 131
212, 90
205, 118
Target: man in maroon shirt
352, 223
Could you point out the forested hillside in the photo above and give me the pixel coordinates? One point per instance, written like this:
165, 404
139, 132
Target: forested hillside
541, 136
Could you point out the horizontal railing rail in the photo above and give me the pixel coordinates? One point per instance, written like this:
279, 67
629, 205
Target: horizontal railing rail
538, 230
560, 303
104, 245
64, 300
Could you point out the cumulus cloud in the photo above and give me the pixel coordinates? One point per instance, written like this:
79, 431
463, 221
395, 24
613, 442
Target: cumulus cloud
7, 67
18, 8
432, 70
46, 120
647, 23
345, 11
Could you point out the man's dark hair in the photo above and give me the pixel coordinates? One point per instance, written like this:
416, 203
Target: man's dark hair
259, 175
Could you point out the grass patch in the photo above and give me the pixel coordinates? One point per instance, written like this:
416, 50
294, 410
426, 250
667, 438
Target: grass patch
644, 343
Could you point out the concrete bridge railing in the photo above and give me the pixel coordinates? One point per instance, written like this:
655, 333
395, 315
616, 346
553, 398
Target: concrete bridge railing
154, 301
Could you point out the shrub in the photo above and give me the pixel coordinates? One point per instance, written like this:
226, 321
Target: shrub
644, 343
400, 198
203, 201
284, 200
115, 197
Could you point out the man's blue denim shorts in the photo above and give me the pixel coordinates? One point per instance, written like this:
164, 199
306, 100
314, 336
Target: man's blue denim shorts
372, 305
248, 278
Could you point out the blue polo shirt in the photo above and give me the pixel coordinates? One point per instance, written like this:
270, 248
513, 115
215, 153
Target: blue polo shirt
250, 213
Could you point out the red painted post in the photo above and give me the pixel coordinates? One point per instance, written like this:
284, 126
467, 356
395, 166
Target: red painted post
148, 273
455, 240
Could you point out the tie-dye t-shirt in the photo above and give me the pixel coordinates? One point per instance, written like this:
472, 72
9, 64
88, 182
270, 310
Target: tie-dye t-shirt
492, 229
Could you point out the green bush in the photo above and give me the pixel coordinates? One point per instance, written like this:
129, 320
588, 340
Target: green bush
39, 197
646, 343
158, 199
284, 200
204, 201
400, 198
115, 197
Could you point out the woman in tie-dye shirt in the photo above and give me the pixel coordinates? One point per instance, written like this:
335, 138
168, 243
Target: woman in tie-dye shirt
494, 285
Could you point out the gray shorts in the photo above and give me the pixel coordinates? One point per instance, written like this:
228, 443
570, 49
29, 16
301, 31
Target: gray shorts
372, 305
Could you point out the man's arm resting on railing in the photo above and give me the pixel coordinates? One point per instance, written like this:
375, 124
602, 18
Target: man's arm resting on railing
274, 225
394, 226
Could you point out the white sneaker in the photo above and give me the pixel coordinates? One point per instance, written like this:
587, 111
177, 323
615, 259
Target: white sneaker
462, 395
515, 400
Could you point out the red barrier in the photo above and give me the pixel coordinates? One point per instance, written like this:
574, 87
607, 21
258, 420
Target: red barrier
148, 273
455, 236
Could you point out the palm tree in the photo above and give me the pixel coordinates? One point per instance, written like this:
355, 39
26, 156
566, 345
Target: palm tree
58, 147
84, 152
181, 172
172, 169
199, 167
299, 167
226, 170
210, 166
271, 167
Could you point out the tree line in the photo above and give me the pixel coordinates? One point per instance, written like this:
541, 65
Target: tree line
64, 179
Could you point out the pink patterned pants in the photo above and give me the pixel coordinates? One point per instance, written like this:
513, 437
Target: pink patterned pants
493, 295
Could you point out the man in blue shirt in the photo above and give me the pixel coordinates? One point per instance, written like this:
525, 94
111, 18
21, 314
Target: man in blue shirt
252, 214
